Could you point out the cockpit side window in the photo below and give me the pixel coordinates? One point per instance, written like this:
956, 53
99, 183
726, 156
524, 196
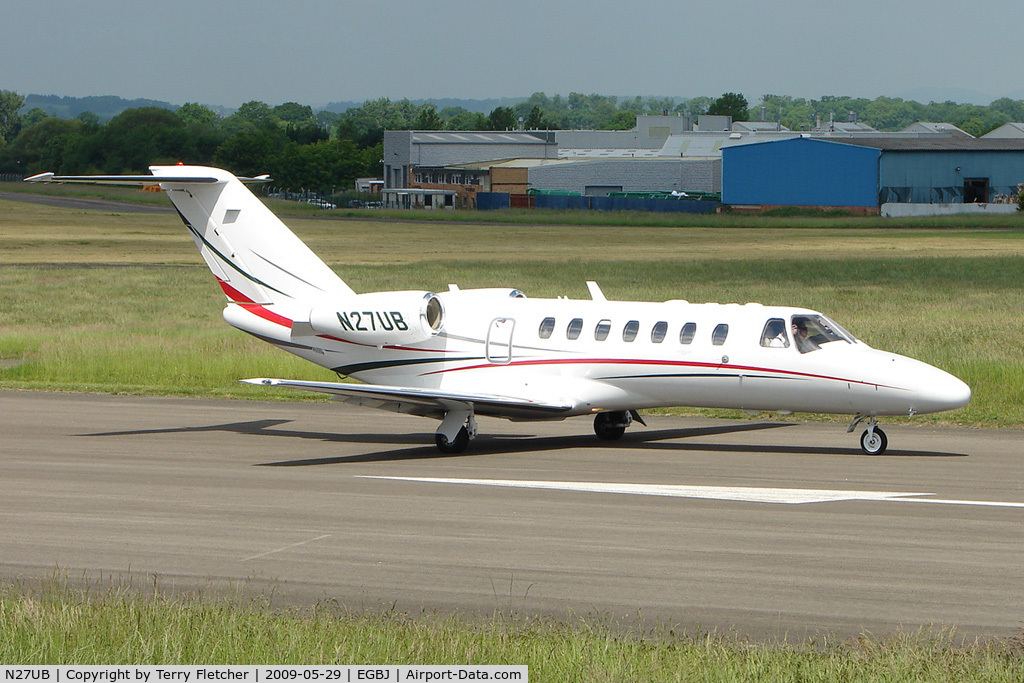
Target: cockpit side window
813, 330
774, 334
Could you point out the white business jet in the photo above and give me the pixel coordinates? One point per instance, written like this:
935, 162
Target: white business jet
457, 354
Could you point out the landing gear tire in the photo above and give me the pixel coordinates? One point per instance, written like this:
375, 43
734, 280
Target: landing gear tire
456, 446
873, 441
610, 426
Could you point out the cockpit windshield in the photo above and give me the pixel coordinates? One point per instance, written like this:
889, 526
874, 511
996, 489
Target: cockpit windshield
810, 331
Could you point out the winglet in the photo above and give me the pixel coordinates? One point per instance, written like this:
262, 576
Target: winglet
40, 178
595, 291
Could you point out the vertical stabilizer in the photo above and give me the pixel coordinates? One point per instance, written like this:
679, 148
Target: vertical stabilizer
252, 253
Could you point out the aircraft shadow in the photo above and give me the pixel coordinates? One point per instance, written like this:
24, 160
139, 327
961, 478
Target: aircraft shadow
501, 444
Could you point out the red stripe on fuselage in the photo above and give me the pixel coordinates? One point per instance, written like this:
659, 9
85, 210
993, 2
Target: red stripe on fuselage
663, 363
253, 307
260, 310
233, 294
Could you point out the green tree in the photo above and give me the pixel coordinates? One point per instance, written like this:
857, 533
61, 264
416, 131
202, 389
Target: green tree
90, 120
457, 118
307, 132
193, 112
535, 119
41, 147
696, 106
365, 125
325, 165
135, 139
293, 112
248, 154
32, 117
428, 118
257, 113
731, 104
502, 118
623, 120
10, 104
1013, 109
252, 115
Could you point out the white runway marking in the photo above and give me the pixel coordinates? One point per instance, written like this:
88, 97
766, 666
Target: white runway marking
293, 545
745, 494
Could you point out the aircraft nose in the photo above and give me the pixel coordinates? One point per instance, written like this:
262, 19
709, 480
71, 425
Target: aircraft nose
940, 391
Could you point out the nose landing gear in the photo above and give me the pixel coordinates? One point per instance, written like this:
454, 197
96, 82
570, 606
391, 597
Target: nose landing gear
873, 441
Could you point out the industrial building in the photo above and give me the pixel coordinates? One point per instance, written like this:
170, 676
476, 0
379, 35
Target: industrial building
867, 174
753, 164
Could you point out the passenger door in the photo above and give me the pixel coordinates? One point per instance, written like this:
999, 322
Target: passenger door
498, 347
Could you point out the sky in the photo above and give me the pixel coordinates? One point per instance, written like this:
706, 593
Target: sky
226, 52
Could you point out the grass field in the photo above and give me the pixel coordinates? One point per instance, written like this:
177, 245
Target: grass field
55, 624
119, 302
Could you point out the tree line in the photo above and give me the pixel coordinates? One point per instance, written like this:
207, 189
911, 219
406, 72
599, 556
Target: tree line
301, 148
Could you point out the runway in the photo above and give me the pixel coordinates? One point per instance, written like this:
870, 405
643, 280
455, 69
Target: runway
763, 527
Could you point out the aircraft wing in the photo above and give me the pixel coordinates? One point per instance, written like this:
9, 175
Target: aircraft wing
425, 402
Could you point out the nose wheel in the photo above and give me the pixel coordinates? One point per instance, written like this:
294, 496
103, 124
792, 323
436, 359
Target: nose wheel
873, 441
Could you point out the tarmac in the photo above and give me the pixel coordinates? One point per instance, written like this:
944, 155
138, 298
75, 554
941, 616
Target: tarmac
762, 528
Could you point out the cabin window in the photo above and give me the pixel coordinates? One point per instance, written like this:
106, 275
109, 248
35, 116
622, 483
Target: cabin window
813, 330
547, 326
720, 333
602, 330
686, 334
630, 330
659, 331
574, 329
774, 334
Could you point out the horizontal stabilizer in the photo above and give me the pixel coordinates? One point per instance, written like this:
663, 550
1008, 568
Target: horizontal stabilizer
436, 401
132, 179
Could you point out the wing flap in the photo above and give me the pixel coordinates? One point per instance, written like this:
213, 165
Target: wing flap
433, 402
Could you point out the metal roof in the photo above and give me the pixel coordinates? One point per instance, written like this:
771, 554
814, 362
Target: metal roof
935, 144
1007, 130
933, 127
476, 138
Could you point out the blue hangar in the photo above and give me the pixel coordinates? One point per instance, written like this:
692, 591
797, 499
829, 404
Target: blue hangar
865, 173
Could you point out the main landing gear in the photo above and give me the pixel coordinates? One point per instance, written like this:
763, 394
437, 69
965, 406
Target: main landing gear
456, 430
611, 425
873, 441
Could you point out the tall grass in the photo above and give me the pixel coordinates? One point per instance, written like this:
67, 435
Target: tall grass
951, 297
159, 330
55, 624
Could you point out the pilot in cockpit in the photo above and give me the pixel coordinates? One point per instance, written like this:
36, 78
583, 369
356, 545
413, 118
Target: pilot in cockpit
803, 343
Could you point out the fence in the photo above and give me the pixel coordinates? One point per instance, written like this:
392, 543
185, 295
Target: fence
490, 201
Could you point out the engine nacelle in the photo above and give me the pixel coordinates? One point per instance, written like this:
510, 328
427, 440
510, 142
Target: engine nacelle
381, 318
